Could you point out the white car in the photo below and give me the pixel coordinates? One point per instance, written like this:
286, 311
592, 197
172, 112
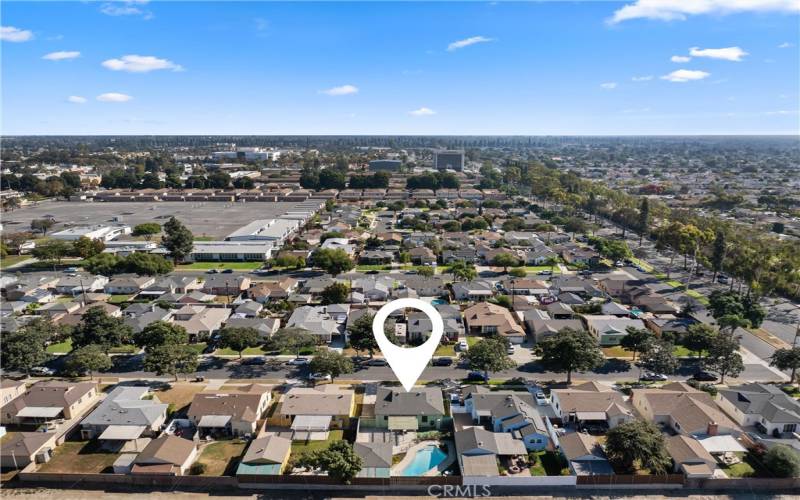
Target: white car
298, 362
462, 345
43, 371
319, 377
511, 349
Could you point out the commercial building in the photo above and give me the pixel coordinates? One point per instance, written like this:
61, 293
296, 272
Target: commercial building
98, 232
449, 160
385, 165
249, 154
232, 250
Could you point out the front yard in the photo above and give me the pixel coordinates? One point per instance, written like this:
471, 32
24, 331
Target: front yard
230, 352
222, 457
179, 395
60, 348
80, 457
205, 266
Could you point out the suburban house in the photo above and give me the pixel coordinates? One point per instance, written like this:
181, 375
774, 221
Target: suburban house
165, 455
266, 327
526, 286
230, 413
511, 412
590, 403
76, 285
11, 389
375, 257
426, 287
22, 448
543, 327
609, 330
473, 291
266, 456
128, 284
489, 319
49, 401
419, 326
422, 256
316, 320
199, 321
687, 410
225, 284
420, 409
376, 458
138, 321
584, 455
125, 415
313, 412
248, 309
764, 406
171, 284
689, 457
272, 290
479, 451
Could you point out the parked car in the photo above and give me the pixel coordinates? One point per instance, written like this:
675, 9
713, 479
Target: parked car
42, 371
227, 271
545, 273
653, 377
299, 361
704, 376
619, 263
585, 272
594, 429
541, 399
71, 270
443, 361
319, 377
211, 347
475, 376
510, 349
212, 271
462, 345
723, 279
377, 362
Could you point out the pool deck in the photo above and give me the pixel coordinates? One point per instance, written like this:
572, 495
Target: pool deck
412, 452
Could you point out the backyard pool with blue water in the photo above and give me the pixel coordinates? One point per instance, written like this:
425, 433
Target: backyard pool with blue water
425, 459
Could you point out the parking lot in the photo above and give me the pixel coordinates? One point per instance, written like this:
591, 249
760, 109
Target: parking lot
212, 219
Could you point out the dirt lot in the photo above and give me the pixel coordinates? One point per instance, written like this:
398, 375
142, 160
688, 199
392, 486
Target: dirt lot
222, 457
179, 395
81, 457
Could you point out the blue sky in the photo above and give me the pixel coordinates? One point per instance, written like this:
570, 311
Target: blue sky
401, 68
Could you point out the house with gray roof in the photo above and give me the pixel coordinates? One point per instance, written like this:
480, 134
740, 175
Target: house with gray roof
766, 407
473, 291
127, 413
316, 320
479, 451
265, 327
515, 413
376, 458
151, 313
397, 410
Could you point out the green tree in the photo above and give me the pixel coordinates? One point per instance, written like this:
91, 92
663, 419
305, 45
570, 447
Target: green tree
331, 363
787, 359
657, 356
23, 350
782, 461
53, 251
698, 338
335, 293
463, 270
644, 218
637, 444
724, 358
147, 229
338, 460
89, 358
505, 260
238, 339
361, 337
518, 272
98, 327
146, 264
85, 247
178, 240
575, 225
292, 340
426, 271
106, 264
160, 333
569, 350
635, 340
718, 254
333, 261
489, 355
170, 359
42, 225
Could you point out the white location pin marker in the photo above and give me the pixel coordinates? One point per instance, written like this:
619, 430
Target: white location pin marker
408, 363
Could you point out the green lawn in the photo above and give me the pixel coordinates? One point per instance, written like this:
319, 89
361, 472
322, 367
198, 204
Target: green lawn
198, 347
82, 457
298, 447
205, 238
750, 466
700, 298
446, 350
536, 269
119, 299
231, 352
644, 265
549, 463
682, 352
60, 348
205, 266
674, 284
222, 457
471, 341
616, 352
10, 260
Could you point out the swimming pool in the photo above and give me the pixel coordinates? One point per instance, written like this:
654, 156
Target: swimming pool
425, 459
438, 302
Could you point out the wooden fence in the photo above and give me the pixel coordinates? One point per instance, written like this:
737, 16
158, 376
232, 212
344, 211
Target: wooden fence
630, 479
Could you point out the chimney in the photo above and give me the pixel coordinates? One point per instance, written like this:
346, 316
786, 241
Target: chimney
713, 429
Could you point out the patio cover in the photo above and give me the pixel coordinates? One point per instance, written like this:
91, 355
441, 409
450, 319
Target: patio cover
311, 423
40, 411
591, 415
403, 424
122, 432
721, 444
214, 420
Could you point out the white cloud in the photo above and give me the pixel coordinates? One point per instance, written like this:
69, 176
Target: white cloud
679, 10
645, 78
62, 55
726, 53
685, 75
12, 34
114, 97
785, 45
781, 112
126, 8
140, 64
341, 90
680, 59
76, 99
460, 44
609, 85
422, 112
